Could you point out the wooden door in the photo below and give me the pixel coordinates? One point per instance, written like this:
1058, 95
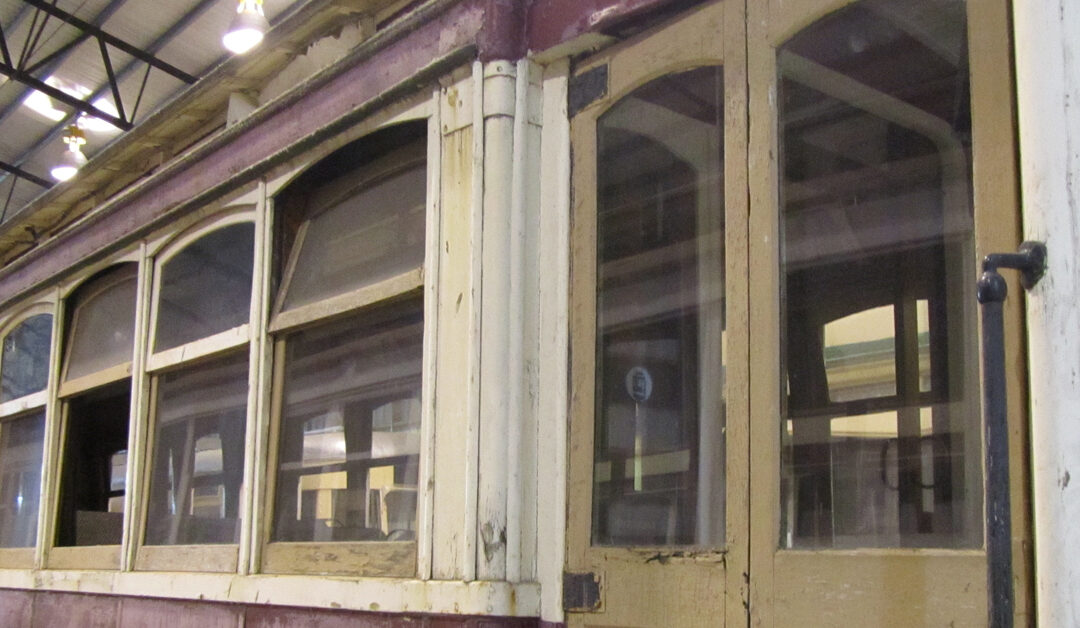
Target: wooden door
657, 530
881, 168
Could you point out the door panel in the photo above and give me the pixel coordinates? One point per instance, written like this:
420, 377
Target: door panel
657, 326
818, 462
865, 425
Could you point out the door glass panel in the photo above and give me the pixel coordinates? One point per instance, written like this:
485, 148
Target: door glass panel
881, 423
658, 476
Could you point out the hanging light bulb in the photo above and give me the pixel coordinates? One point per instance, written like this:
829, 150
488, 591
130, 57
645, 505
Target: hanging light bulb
247, 28
73, 158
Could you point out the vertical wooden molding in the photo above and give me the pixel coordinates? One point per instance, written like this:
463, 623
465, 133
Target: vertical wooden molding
432, 241
554, 337
135, 494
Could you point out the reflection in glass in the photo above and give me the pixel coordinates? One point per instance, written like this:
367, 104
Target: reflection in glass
881, 427
22, 443
94, 467
860, 355
24, 367
206, 288
103, 324
350, 429
658, 477
198, 463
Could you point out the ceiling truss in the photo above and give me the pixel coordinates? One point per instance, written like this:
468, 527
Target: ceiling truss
24, 69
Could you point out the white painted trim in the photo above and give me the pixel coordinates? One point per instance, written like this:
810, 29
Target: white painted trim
25, 403
496, 367
1047, 49
137, 476
203, 347
258, 417
469, 531
386, 595
51, 454
433, 236
554, 288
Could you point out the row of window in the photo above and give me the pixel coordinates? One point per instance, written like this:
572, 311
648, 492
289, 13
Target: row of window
346, 332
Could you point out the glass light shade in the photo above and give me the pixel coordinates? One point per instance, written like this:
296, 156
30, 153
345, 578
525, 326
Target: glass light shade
246, 31
70, 162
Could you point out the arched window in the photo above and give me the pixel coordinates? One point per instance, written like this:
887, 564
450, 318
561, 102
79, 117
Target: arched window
199, 363
348, 331
96, 391
24, 372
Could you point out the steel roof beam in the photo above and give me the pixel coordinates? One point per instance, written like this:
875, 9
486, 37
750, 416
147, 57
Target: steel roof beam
115, 42
69, 100
54, 59
19, 172
163, 39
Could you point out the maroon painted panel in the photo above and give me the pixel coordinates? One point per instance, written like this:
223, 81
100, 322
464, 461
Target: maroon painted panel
503, 35
73, 610
279, 617
16, 607
154, 613
263, 141
552, 22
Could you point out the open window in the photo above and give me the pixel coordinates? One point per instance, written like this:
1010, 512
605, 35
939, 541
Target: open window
198, 363
348, 336
95, 390
24, 372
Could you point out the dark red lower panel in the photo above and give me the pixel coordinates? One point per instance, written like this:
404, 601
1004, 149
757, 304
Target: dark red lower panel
48, 609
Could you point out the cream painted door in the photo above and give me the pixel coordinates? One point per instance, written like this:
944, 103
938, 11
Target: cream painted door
657, 531
881, 168
775, 417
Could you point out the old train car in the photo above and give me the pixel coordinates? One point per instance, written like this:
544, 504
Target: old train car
539, 313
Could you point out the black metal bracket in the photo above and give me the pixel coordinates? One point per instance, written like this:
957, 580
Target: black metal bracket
1030, 260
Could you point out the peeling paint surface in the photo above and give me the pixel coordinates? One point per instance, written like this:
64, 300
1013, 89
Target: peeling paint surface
1048, 88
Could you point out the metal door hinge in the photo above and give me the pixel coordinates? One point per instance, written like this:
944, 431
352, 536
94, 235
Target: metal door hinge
581, 592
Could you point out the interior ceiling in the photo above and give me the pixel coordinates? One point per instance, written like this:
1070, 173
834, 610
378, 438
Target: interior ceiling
153, 48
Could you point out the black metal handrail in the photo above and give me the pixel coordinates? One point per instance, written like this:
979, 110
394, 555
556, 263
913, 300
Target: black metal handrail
991, 291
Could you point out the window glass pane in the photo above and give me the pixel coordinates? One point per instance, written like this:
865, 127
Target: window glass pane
372, 234
658, 477
198, 464
93, 476
103, 326
24, 368
350, 429
206, 288
21, 450
880, 430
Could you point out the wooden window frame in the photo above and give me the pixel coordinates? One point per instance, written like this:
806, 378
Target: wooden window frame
27, 557
220, 558
358, 558
110, 374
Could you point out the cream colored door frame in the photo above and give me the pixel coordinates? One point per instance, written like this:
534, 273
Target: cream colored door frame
906, 586
673, 585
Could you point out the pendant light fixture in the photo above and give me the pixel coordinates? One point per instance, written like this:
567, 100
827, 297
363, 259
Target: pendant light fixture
73, 158
247, 28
